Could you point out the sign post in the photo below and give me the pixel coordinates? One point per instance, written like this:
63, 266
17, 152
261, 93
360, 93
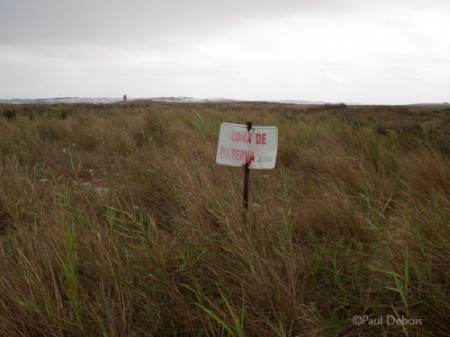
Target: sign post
246, 177
249, 147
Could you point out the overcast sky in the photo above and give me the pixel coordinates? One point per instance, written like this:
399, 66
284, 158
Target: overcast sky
376, 52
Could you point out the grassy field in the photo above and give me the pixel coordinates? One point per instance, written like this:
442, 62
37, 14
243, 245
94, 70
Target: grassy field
115, 220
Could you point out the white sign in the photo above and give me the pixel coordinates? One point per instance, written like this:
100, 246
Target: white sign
237, 146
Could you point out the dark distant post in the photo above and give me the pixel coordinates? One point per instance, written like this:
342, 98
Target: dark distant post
246, 177
124, 98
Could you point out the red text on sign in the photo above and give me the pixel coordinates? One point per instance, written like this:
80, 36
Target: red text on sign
261, 138
243, 156
245, 137
241, 137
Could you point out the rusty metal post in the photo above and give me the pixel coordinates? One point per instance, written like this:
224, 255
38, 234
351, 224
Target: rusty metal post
246, 178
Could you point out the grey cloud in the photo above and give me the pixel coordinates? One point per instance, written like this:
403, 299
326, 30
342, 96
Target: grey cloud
136, 21
238, 48
158, 22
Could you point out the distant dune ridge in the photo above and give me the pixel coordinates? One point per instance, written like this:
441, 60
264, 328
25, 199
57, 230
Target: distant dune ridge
183, 99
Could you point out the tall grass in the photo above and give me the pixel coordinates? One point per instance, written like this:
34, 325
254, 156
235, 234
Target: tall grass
116, 221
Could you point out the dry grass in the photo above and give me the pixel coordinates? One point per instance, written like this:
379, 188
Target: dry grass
116, 221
